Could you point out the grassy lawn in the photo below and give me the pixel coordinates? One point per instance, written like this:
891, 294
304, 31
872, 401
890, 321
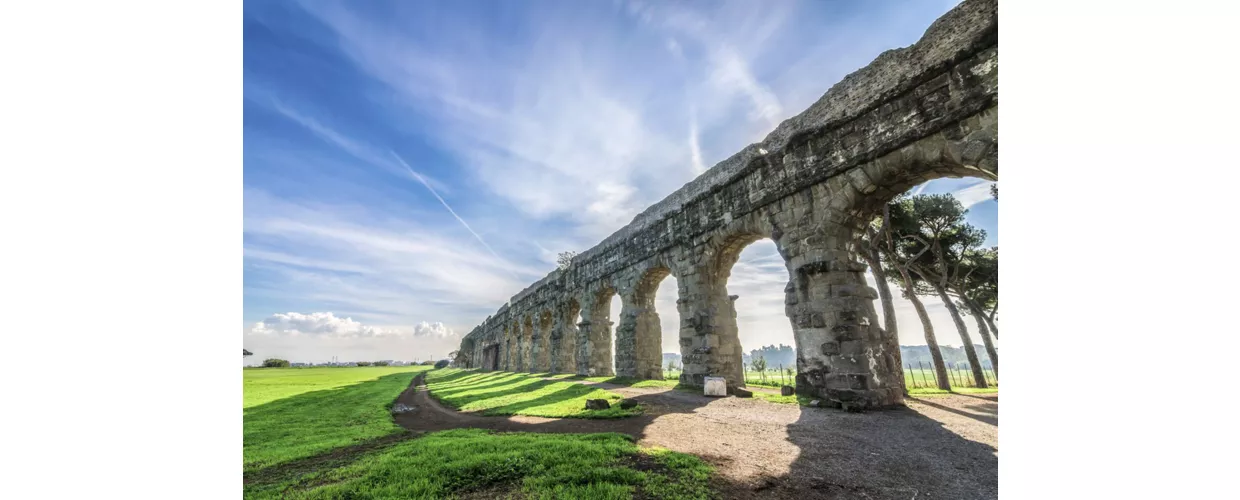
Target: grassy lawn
932, 391
753, 380
264, 385
632, 382
292, 413
321, 417
483, 464
507, 393
960, 380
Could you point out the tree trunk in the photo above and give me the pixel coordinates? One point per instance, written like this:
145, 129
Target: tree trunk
978, 376
870, 254
940, 369
884, 291
990, 320
981, 328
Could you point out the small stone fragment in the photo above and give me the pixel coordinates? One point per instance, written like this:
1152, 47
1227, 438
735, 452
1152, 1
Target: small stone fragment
814, 403
597, 404
627, 404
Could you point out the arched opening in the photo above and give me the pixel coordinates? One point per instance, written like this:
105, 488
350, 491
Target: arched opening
600, 343
844, 354
543, 358
569, 337
615, 306
654, 292
518, 347
506, 350
945, 328
758, 280
527, 344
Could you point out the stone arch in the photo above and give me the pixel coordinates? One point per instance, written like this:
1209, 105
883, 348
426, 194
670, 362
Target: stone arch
842, 354
709, 339
527, 343
542, 345
566, 358
641, 328
507, 360
597, 323
465, 354
725, 247
518, 346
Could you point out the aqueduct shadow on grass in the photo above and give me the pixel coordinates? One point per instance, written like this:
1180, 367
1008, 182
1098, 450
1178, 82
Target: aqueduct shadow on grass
882, 455
914, 114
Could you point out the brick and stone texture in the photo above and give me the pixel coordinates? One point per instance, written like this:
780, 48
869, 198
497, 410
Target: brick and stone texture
914, 114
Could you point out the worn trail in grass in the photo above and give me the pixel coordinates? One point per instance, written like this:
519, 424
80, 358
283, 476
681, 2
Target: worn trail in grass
288, 456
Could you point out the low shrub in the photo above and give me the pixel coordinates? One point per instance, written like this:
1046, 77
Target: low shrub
363, 363
275, 363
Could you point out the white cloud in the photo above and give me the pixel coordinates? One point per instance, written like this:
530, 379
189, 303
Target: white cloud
436, 329
365, 263
320, 336
974, 194
318, 323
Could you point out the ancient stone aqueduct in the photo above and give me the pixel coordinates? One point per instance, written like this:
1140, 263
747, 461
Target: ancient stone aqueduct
913, 114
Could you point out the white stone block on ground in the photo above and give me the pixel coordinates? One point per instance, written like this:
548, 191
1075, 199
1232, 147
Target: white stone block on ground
716, 386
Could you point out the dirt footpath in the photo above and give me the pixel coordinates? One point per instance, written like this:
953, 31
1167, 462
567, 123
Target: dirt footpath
938, 447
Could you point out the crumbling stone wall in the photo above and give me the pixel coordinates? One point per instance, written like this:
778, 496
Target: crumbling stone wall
914, 114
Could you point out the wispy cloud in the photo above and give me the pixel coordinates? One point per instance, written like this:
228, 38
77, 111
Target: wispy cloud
358, 149
395, 269
973, 194
445, 205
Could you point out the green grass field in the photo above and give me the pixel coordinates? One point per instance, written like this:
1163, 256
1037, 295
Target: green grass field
327, 434
507, 393
292, 413
921, 381
263, 385
474, 463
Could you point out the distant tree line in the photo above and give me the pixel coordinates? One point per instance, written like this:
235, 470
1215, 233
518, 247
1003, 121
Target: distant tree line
283, 363
774, 356
952, 356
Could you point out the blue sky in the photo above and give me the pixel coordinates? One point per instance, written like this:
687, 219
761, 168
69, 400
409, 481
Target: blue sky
409, 166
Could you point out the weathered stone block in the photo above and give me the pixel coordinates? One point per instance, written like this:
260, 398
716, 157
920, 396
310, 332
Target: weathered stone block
817, 320
831, 348
627, 404
742, 393
846, 332
715, 386
597, 404
786, 390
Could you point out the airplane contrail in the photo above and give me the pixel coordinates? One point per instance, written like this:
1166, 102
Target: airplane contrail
450, 210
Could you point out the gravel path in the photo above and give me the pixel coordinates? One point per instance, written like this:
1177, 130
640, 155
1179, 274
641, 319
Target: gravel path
937, 447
